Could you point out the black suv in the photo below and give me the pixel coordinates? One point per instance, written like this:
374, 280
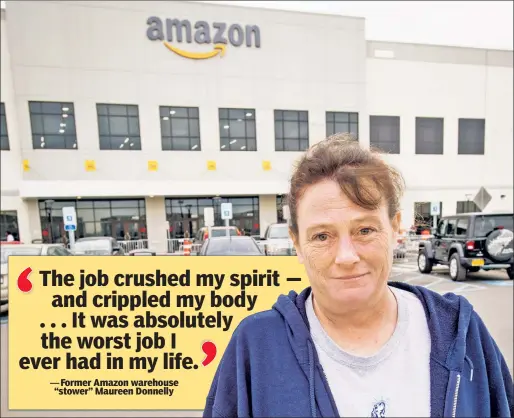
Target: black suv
470, 242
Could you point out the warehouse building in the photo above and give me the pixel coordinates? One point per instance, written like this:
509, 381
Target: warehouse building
142, 114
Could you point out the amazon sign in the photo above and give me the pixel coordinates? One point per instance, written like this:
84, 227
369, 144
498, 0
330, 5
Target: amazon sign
218, 36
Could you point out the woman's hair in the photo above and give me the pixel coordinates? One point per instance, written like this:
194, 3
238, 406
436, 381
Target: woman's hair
364, 177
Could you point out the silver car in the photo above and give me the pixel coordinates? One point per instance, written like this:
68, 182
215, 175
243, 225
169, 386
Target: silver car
22, 249
277, 241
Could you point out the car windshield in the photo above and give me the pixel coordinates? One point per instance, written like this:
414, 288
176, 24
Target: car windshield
280, 232
485, 224
6, 252
101, 246
233, 247
223, 232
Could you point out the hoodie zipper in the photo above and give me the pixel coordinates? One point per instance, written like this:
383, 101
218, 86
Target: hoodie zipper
456, 397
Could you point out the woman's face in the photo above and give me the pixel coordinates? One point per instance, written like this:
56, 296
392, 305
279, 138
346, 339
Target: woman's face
346, 250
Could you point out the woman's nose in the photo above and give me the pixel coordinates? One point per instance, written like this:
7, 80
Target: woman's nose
346, 253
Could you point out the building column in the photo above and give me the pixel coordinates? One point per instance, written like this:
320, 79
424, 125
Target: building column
267, 212
156, 225
30, 210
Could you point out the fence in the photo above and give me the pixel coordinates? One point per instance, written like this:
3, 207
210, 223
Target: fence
412, 242
408, 245
134, 244
176, 245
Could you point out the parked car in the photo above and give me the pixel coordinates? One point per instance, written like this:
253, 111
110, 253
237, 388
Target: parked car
217, 231
468, 242
233, 245
23, 249
276, 240
98, 246
142, 251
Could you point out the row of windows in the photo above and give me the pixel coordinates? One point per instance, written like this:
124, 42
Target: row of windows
125, 219
53, 127
385, 135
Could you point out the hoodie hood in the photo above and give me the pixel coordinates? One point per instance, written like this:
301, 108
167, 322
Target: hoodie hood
448, 318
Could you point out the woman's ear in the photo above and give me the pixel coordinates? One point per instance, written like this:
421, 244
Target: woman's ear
397, 222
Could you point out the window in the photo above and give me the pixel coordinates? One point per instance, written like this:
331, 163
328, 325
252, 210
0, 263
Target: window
53, 125
187, 214
452, 226
471, 136
9, 223
485, 224
123, 219
118, 126
342, 122
291, 130
237, 130
58, 251
180, 128
462, 227
467, 206
4, 137
385, 133
281, 200
429, 135
423, 220
441, 229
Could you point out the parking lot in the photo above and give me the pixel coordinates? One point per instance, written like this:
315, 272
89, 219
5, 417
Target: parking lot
490, 293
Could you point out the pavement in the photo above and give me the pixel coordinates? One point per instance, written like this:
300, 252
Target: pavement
491, 294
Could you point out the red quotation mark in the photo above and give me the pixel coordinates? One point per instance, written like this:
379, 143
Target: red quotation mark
209, 348
24, 284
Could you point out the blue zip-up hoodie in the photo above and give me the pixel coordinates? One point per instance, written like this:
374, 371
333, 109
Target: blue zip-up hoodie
270, 367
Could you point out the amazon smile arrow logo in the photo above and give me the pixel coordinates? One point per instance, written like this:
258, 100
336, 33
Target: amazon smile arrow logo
178, 31
219, 49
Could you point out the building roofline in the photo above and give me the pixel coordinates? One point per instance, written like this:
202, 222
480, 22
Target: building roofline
417, 44
443, 54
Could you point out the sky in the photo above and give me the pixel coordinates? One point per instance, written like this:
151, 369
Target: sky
476, 24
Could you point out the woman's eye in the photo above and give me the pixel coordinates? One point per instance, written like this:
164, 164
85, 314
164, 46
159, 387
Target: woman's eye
321, 237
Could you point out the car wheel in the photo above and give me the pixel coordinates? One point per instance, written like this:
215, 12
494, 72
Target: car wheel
424, 263
510, 272
457, 271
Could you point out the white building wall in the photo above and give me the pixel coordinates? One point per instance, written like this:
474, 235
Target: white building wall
267, 212
306, 62
89, 53
156, 223
11, 160
468, 87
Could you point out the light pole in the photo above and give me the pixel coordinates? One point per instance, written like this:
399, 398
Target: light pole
188, 207
48, 207
216, 202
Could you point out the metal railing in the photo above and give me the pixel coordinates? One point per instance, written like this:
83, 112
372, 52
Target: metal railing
134, 244
176, 246
408, 246
412, 242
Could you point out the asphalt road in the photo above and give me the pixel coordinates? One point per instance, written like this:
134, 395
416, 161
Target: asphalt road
490, 293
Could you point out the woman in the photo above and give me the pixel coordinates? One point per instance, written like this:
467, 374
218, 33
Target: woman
353, 343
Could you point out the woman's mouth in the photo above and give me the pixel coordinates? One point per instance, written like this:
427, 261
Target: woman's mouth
349, 277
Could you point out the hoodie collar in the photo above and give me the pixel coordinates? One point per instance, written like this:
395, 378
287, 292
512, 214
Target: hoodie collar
448, 318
